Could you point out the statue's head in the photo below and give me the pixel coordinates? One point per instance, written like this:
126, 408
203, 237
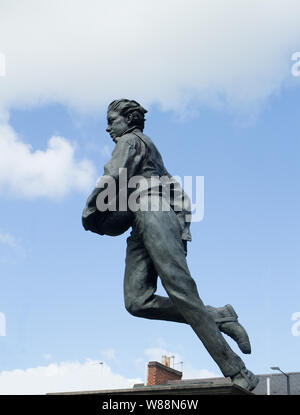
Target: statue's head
123, 114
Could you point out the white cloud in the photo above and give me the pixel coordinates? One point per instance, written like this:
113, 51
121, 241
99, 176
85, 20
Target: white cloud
8, 239
86, 53
15, 248
62, 377
72, 376
52, 173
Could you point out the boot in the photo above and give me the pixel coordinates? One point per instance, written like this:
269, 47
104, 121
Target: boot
245, 379
227, 321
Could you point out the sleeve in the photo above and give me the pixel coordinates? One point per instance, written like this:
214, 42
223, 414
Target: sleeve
90, 214
124, 155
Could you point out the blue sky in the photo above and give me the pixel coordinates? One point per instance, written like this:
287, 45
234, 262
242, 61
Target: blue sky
61, 287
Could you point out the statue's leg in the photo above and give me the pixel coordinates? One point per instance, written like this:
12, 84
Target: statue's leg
161, 235
140, 285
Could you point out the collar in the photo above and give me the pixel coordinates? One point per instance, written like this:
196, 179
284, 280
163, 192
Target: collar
127, 132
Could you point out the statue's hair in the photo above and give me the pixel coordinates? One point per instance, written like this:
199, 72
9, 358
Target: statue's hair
125, 107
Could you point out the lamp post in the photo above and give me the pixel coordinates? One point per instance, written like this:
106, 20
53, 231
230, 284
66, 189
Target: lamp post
287, 378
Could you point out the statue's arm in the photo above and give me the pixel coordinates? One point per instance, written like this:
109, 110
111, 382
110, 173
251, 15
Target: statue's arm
124, 156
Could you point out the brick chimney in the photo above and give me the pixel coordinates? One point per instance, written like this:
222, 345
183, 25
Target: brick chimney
159, 374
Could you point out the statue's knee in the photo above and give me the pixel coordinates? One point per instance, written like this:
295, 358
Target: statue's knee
133, 308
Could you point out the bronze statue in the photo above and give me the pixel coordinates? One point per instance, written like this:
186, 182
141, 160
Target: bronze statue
157, 245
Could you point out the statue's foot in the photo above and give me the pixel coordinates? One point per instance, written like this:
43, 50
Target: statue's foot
234, 329
245, 379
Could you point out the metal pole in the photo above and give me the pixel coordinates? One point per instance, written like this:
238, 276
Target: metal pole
288, 384
287, 381
268, 386
287, 378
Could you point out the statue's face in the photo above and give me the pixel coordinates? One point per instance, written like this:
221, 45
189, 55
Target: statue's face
116, 124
